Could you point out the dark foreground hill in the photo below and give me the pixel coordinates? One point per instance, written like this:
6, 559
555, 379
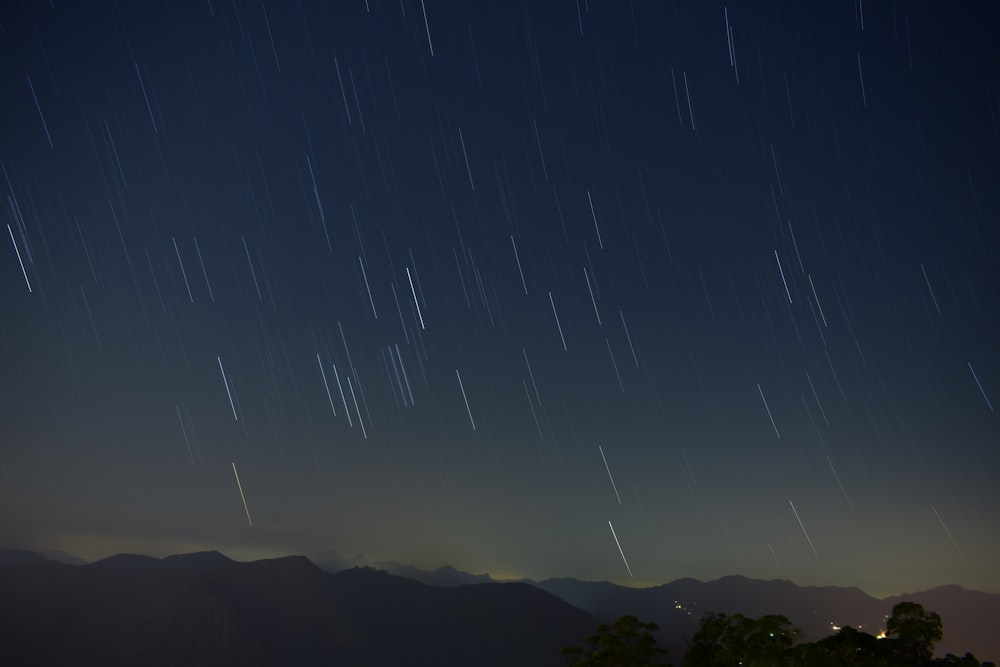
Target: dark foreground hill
204, 609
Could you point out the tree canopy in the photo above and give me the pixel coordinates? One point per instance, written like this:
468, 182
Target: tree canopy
916, 631
770, 641
628, 642
731, 641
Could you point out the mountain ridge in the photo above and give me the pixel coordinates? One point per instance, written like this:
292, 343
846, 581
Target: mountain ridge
205, 609
236, 594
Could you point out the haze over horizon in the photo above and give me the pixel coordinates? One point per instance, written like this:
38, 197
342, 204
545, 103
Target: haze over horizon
615, 291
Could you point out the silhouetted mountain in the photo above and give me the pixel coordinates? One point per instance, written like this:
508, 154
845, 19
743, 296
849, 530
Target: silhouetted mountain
446, 575
13, 555
204, 608
331, 561
969, 616
123, 562
9, 556
62, 557
492, 624
199, 560
201, 609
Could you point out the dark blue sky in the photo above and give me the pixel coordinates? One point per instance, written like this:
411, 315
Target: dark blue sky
466, 283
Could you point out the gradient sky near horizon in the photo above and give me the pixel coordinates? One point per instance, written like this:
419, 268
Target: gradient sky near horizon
473, 283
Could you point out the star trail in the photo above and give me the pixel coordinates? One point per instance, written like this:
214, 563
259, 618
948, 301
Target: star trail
401, 231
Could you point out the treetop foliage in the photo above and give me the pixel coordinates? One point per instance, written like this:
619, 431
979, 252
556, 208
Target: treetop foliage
770, 641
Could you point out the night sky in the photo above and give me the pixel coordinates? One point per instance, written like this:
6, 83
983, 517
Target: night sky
496, 284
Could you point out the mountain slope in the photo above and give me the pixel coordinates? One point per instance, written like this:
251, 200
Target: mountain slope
204, 609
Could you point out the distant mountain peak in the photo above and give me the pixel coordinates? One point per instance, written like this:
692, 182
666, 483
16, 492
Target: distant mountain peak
202, 558
62, 557
445, 575
119, 560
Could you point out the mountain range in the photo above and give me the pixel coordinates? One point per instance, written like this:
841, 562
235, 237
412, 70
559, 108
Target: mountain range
204, 608
969, 616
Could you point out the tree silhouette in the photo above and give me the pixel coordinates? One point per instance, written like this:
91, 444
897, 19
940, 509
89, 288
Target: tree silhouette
915, 632
769, 641
731, 641
628, 642
847, 648
967, 660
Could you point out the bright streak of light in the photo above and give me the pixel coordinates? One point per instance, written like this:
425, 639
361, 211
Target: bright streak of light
620, 550
327, 385
773, 555
253, 273
466, 399
417, 303
947, 532
816, 396
538, 141
39, 109
244, 498
629, 337
842, 489
861, 76
371, 299
532, 376
90, 316
974, 377
343, 91
428, 28
687, 91
340, 387
561, 337
768, 411
187, 442
468, 169
729, 41
357, 409
614, 364
613, 485
593, 215
818, 305
592, 301
516, 257
145, 97
228, 393
271, 37
347, 351
183, 272
782, 271
802, 526
531, 405
399, 355
21, 261
204, 272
